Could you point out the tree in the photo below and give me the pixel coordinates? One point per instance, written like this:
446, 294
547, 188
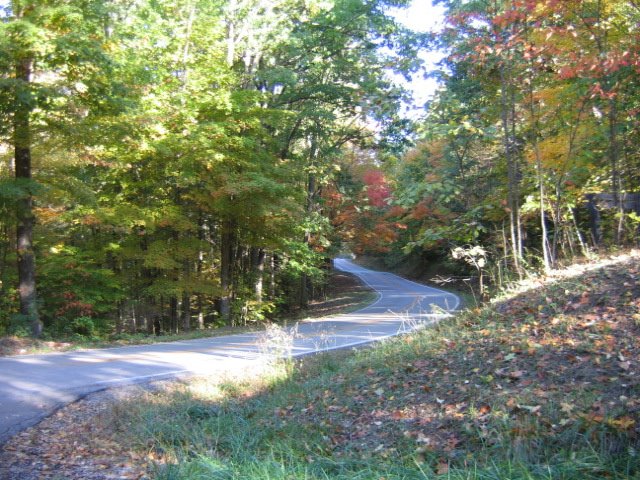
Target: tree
534, 115
51, 59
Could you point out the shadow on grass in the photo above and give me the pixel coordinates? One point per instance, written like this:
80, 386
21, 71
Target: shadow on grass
542, 385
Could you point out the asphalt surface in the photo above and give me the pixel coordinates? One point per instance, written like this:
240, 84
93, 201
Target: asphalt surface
34, 386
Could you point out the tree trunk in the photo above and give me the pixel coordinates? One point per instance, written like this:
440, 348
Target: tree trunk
535, 132
258, 256
5, 245
512, 173
173, 315
614, 160
187, 44
26, 218
200, 312
273, 266
311, 205
226, 264
186, 312
120, 318
150, 315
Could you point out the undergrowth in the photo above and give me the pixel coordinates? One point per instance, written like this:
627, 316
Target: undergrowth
346, 296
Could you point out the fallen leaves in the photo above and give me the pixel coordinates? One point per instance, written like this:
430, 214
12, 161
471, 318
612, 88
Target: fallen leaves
622, 423
624, 365
75, 443
442, 468
510, 374
534, 409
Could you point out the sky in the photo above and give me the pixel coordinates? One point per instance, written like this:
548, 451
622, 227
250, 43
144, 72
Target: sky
421, 16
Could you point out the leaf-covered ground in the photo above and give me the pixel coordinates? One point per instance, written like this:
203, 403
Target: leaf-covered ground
541, 384
553, 366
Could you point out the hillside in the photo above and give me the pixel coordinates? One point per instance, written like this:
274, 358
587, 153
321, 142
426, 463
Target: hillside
542, 383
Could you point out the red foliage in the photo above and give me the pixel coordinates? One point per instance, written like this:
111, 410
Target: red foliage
81, 309
378, 190
420, 212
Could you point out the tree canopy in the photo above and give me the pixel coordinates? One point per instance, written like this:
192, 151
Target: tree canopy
164, 163
528, 151
176, 165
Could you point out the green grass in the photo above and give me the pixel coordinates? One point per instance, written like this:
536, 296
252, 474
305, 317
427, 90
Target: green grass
244, 433
540, 386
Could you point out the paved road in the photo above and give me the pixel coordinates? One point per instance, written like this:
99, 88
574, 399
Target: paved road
33, 386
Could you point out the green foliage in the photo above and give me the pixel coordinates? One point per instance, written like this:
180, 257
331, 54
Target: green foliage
19, 325
166, 133
252, 311
302, 260
529, 119
12, 190
82, 326
76, 291
7, 310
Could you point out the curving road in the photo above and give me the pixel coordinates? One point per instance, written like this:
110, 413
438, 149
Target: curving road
33, 386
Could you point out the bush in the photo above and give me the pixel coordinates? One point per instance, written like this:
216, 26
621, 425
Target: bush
83, 326
75, 291
19, 325
8, 304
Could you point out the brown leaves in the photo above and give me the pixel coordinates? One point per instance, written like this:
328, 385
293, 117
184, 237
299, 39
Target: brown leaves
622, 423
74, 443
442, 468
533, 409
528, 366
510, 374
624, 365
484, 409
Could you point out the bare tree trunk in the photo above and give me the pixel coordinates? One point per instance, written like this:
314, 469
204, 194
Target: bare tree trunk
120, 318
199, 267
173, 315
133, 318
614, 160
200, 312
187, 44
226, 265
311, 204
273, 262
5, 245
186, 312
546, 254
583, 245
512, 173
258, 256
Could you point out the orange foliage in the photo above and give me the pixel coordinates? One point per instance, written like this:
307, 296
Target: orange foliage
47, 214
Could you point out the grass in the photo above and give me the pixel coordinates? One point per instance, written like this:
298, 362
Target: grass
542, 384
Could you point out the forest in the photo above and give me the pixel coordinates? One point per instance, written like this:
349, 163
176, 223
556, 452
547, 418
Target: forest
169, 166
